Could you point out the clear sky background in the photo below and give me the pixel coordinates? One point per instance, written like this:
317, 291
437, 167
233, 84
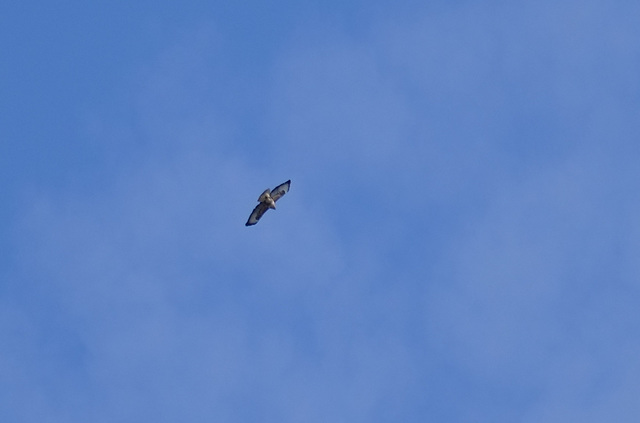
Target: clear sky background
461, 242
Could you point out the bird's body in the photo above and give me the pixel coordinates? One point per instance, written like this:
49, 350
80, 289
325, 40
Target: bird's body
267, 201
265, 197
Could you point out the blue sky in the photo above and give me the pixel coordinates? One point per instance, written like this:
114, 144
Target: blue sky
460, 242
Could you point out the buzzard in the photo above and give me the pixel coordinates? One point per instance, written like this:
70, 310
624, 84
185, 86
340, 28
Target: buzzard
267, 201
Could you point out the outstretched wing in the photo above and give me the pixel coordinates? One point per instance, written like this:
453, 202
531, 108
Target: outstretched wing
280, 190
256, 214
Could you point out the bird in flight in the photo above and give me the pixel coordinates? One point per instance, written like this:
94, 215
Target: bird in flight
267, 201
